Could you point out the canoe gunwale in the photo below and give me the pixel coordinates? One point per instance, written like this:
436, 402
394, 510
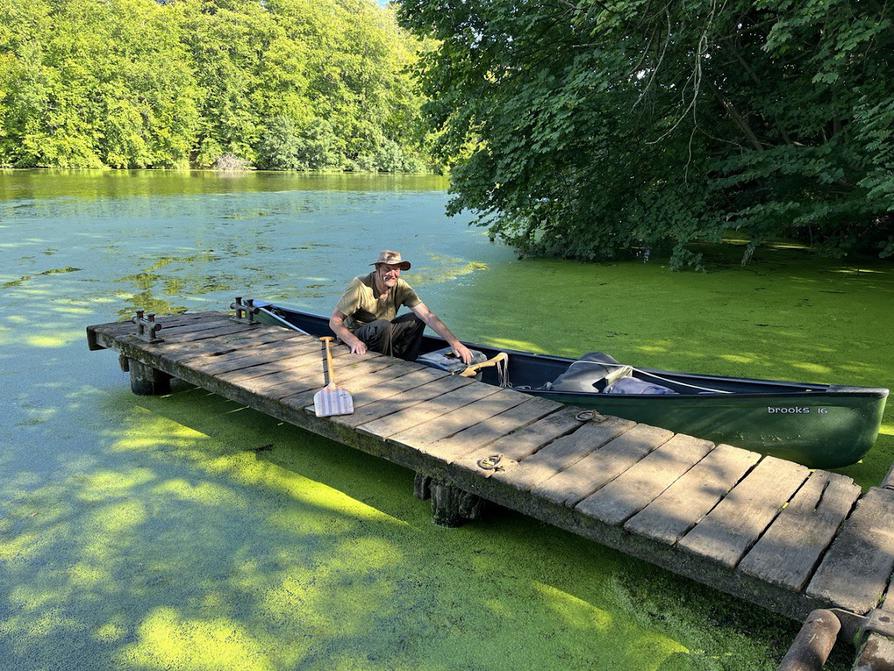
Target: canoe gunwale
815, 390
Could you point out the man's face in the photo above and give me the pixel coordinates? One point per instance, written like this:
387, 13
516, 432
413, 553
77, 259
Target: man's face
388, 274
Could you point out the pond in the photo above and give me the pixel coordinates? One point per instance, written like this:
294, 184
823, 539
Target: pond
187, 532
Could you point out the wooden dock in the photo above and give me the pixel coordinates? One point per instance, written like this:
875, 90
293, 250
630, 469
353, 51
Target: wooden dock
766, 530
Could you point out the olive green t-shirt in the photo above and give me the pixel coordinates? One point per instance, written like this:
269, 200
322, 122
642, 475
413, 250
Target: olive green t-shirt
361, 301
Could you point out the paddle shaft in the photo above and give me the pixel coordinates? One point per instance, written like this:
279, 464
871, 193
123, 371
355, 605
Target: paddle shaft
330, 366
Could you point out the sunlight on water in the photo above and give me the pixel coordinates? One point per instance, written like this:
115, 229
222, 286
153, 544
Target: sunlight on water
187, 532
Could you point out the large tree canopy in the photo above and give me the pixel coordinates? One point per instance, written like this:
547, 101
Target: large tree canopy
584, 128
140, 83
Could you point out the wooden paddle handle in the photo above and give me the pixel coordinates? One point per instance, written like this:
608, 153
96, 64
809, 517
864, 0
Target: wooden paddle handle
472, 370
329, 364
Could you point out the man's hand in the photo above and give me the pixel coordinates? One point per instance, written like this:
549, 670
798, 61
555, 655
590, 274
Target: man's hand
358, 347
462, 352
431, 319
337, 324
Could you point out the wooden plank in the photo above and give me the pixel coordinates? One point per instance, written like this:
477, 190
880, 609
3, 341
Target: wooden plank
490, 429
218, 347
563, 453
690, 498
404, 392
183, 351
304, 373
254, 355
224, 329
300, 368
788, 552
639, 485
734, 525
423, 435
178, 333
856, 569
128, 327
524, 442
365, 375
571, 485
408, 417
168, 332
311, 360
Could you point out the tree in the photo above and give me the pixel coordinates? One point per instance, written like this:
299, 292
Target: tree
140, 83
586, 129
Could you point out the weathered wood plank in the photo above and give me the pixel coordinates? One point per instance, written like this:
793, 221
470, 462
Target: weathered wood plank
181, 351
364, 375
308, 375
121, 328
217, 348
255, 355
177, 332
690, 498
788, 551
523, 443
181, 329
563, 453
224, 329
856, 568
310, 360
602, 465
400, 393
408, 417
639, 485
734, 525
490, 429
421, 436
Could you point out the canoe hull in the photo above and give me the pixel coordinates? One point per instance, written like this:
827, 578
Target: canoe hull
828, 430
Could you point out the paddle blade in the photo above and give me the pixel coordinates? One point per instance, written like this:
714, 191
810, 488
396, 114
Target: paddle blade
331, 401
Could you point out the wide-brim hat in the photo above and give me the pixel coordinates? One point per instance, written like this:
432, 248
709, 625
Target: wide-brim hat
391, 258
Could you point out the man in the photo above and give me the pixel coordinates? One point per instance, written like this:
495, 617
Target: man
365, 316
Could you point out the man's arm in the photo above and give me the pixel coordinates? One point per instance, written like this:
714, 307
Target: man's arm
439, 327
337, 324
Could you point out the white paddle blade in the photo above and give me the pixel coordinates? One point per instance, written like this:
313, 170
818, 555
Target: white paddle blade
333, 401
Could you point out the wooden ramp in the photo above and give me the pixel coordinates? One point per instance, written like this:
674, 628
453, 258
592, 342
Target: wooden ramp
763, 529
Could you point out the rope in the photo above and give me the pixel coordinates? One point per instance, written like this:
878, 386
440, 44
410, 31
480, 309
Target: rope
664, 379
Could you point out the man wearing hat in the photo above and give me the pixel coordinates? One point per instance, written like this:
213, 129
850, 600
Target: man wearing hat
366, 314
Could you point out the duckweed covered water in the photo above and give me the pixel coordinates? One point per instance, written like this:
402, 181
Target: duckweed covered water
186, 532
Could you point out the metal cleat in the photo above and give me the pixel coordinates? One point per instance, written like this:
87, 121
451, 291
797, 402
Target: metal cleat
245, 311
147, 327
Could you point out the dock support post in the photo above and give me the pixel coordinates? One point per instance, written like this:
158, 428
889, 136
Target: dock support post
813, 644
146, 380
451, 506
422, 487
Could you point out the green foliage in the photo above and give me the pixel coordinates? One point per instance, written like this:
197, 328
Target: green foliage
138, 83
286, 147
586, 129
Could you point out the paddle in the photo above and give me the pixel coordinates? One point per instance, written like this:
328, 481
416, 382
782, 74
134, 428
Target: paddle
332, 399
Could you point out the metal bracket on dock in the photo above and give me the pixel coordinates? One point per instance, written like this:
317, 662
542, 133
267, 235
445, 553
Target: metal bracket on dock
880, 621
854, 626
147, 327
245, 311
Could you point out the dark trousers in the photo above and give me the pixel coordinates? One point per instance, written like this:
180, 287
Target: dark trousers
400, 337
